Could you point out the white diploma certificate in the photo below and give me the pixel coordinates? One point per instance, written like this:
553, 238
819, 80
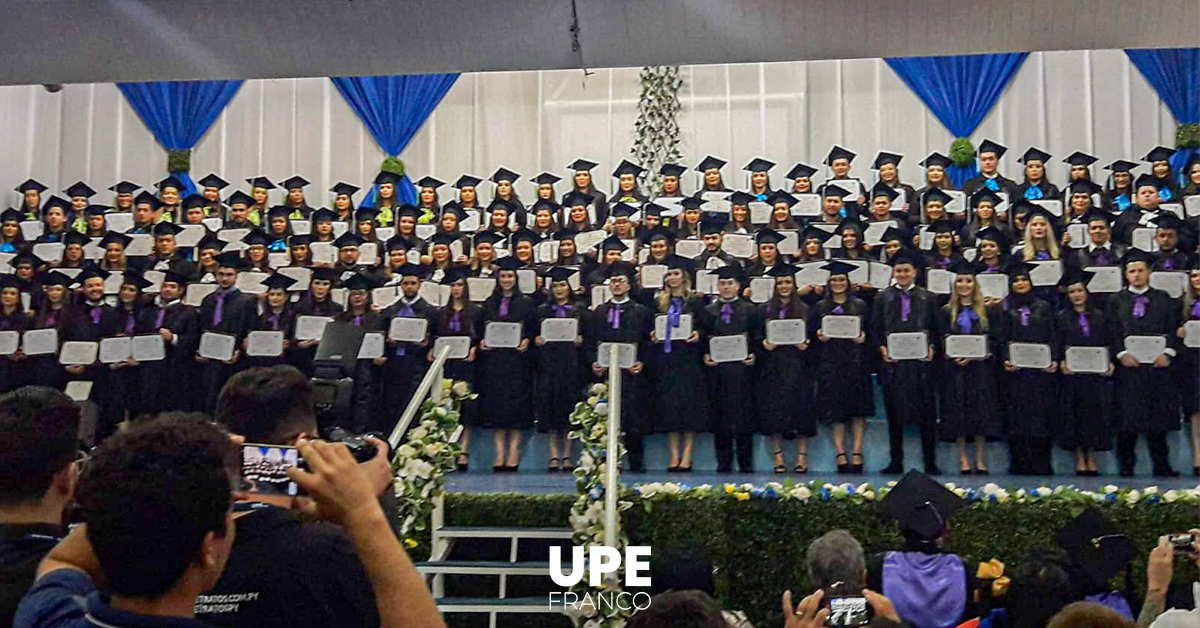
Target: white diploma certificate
1191, 338
149, 348
252, 282
372, 346
119, 221
738, 245
311, 327
653, 275
689, 248
790, 244
301, 274
216, 346
1191, 207
40, 341
1143, 238
1171, 282
1107, 279
939, 281
588, 240
762, 289
560, 329
958, 201
75, 352
787, 331
1086, 359
992, 285
706, 281
323, 252
460, 346
408, 329
384, 297
49, 251
79, 390
9, 341
264, 344
436, 294
480, 288
1046, 272
33, 229
908, 345
500, 335
679, 332
115, 350
760, 213
1145, 348
626, 354
527, 280
728, 348
807, 205
196, 293
966, 346
1079, 235
140, 245
841, 326
600, 295
1029, 355
1054, 206
811, 274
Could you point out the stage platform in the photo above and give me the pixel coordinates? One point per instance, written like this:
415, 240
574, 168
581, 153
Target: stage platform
533, 477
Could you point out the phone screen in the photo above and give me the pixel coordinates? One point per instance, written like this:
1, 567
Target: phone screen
264, 469
848, 611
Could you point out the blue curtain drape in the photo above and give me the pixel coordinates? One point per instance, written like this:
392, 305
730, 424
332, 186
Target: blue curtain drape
393, 108
1174, 73
178, 113
960, 90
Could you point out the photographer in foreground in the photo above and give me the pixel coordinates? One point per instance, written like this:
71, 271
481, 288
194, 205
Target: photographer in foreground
286, 570
1159, 570
39, 445
837, 568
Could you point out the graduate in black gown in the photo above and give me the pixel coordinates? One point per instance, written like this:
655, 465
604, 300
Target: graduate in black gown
622, 320
405, 363
278, 315
784, 381
124, 376
366, 377
561, 375
162, 383
678, 397
12, 318
1036, 187
92, 320
317, 301
462, 318
1187, 364
844, 394
730, 384
905, 308
506, 374
226, 311
1086, 424
989, 174
1144, 398
54, 312
969, 403
1030, 393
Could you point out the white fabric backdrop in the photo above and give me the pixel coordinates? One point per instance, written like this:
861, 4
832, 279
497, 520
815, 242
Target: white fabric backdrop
1094, 101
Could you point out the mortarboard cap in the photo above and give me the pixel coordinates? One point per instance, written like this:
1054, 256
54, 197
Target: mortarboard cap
213, 181
628, 167
838, 267
396, 243
659, 233
936, 159
260, 182
211, 241
1159, 153
299, 240
500, 203
935, 195
1096, 546
961, 266
523, 235
546, 178
1083, 186
125, 187
578, 199
278, 282
894, 233
348, 239
169, 182
365, 214
358, 281
30, 184
581, 165
112, 237
229, 259
79, 188
995, 235
692, 202
490, 237
613, 243
768, 236
907, 256
883, 189
430, 182
324, 273
257, 237
921, 505
165, 228
884, 158
731, 271
135, 279
779, 196
323, 214
1073, 276
1019, 268
504, 174
1145, 180
712, 223
740, 198
175, 277
622, 210
74, 237
409, 211
192, 201
943, 226
1079, 158
413, 270
1121, 165
240, 198
652, 209
558, 274
1167, 220
566, 233
509, 262
988, 146
55, 201
55, 278
279, 211
1034, 154
10, 215
984, 195
453, 274
849, 222
813, 232
710, 163
544, 204
386, 177
454, 208
96, 210
89, 271
1137, 255
836, 153
801, 171
146, 198
782, 270
295, 182
836, 191
621, 269
672, 170
678, 262
344, 188
758, 164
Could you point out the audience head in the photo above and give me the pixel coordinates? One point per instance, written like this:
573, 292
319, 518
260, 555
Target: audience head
39, 443
1040, 587
680, 609
836, 557
157, 502
271, 405
1089, 615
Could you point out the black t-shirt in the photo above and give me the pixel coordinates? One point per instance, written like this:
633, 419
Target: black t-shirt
289, 573
22, 547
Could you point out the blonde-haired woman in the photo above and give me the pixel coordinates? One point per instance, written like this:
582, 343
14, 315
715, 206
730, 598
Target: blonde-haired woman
1039, 245
968, 385
676, 376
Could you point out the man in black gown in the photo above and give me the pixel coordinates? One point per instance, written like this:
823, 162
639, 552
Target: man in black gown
226, 311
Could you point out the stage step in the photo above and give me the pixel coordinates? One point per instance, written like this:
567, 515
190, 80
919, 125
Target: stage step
484, 568
486, 532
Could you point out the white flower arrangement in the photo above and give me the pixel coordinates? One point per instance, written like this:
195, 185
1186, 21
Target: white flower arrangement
590, 419
423, 460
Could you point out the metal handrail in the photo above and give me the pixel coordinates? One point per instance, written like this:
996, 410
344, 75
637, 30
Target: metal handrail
434, 374
612, 461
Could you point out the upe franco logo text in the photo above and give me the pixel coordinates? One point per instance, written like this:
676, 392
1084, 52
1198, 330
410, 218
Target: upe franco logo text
601, 560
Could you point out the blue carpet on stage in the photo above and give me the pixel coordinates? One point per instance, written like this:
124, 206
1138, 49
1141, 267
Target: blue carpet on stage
533, 478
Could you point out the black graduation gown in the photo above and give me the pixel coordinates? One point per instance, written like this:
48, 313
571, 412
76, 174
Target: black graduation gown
785, 384
302, 357
1187, 370
363, 405
124, 382
731, 384
13, 373
506, 375
164, 384
634, 327
237, 319
1050, 192
1146, 397
976, 183
561, 376
461, 370
843, 377
1087, 410
968, 395
1030, 394
45, 369
905, 383
285, 322
407, 362
87, 327
678, 400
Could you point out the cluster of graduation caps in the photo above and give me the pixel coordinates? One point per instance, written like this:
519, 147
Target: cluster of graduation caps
797, 221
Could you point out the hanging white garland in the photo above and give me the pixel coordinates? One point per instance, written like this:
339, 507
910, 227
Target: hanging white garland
656, 131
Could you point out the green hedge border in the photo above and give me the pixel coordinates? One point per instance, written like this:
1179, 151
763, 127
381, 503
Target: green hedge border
757, 546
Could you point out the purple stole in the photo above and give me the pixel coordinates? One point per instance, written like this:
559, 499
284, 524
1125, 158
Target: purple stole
928, 590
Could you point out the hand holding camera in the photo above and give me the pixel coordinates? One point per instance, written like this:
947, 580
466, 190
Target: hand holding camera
340, 490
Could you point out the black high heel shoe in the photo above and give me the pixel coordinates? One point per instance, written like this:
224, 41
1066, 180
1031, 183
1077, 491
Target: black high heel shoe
780, 468
462, 466
856, 467
843, 467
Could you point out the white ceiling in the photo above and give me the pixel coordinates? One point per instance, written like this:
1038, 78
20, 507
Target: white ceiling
75, 41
